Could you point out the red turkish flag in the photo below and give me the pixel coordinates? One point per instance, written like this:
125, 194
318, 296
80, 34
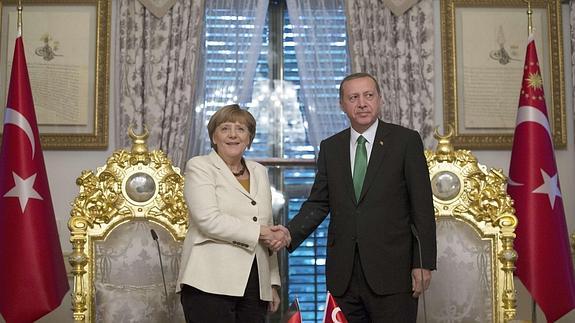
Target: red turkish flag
32, 274
544, 257
293, 314
332, 312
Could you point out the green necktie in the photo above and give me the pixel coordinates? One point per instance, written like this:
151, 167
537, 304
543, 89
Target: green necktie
360, 166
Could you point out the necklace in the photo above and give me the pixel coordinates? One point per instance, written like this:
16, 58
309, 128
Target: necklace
240, 172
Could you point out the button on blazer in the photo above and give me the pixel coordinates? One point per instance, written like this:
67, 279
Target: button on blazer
222, 240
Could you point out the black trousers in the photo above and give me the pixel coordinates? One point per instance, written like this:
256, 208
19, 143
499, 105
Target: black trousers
202, 307
360, 304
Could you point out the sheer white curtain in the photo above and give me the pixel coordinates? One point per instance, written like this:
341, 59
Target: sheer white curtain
157, 59
320, 72
231, 52
398, 51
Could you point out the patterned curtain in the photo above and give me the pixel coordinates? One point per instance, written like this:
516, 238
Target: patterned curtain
157, 62
398, 51
398, 7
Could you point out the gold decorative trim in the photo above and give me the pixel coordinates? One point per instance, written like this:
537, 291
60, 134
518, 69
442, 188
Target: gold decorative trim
101, 205
484, 204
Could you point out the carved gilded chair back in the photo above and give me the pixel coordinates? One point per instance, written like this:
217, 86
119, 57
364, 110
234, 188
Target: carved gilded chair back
475, 231
115, 261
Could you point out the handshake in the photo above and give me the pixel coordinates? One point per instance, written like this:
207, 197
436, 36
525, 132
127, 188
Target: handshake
274, 237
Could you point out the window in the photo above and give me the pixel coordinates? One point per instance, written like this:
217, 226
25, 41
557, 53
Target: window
282, 138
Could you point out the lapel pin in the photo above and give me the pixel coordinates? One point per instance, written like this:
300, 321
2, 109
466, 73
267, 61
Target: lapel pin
381, 142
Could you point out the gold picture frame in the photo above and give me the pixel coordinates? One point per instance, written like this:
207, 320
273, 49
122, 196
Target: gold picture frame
483, 52
67, 46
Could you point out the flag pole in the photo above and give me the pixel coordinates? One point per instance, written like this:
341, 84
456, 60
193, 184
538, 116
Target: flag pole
19, 18
529, 17
529, 32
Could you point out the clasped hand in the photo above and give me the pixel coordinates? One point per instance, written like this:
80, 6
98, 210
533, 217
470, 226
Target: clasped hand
275, 237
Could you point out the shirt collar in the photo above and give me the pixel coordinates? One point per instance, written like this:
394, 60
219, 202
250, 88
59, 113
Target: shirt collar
369, 134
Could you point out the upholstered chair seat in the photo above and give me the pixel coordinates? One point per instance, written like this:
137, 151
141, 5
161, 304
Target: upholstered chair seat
115, 259
475, 231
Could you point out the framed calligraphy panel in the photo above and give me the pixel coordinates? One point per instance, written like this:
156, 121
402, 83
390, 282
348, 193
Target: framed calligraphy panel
67, 50
483, 52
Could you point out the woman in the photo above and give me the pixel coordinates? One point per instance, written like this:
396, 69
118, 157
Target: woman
228, 274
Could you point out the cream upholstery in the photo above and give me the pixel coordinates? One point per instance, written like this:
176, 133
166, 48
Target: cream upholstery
115, 263
475, 232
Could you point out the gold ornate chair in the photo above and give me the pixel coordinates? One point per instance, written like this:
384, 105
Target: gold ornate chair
115, 261
475, 232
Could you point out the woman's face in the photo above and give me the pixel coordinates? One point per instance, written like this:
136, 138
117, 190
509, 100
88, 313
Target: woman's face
231, 139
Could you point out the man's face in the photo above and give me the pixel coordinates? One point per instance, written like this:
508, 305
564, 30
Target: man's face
360, 101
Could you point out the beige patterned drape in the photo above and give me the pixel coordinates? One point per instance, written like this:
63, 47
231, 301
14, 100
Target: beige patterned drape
160, 7
399, 7
157, 61
398, 51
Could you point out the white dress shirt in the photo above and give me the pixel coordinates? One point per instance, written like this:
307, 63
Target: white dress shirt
369, 135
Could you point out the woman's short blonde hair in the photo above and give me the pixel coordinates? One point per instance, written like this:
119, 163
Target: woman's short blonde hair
232, 113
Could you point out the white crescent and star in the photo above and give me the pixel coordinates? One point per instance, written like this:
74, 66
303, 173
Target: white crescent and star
23, 187
23, 190
532, 114
14, 117
550, 185
334, 317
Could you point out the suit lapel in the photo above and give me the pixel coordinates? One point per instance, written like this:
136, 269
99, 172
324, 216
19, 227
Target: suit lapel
378, 151
227, 174
253, 179
346, 164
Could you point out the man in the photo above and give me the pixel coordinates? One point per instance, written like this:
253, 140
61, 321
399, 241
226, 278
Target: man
380, 201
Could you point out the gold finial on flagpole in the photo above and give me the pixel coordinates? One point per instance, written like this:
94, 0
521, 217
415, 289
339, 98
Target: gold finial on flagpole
19, 18
529, 17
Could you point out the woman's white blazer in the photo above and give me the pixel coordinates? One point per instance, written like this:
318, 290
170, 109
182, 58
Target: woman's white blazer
225, 219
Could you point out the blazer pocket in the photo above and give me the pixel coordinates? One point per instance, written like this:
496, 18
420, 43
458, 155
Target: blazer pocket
201, 239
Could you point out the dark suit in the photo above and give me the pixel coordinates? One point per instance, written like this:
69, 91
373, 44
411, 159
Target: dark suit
396, 193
